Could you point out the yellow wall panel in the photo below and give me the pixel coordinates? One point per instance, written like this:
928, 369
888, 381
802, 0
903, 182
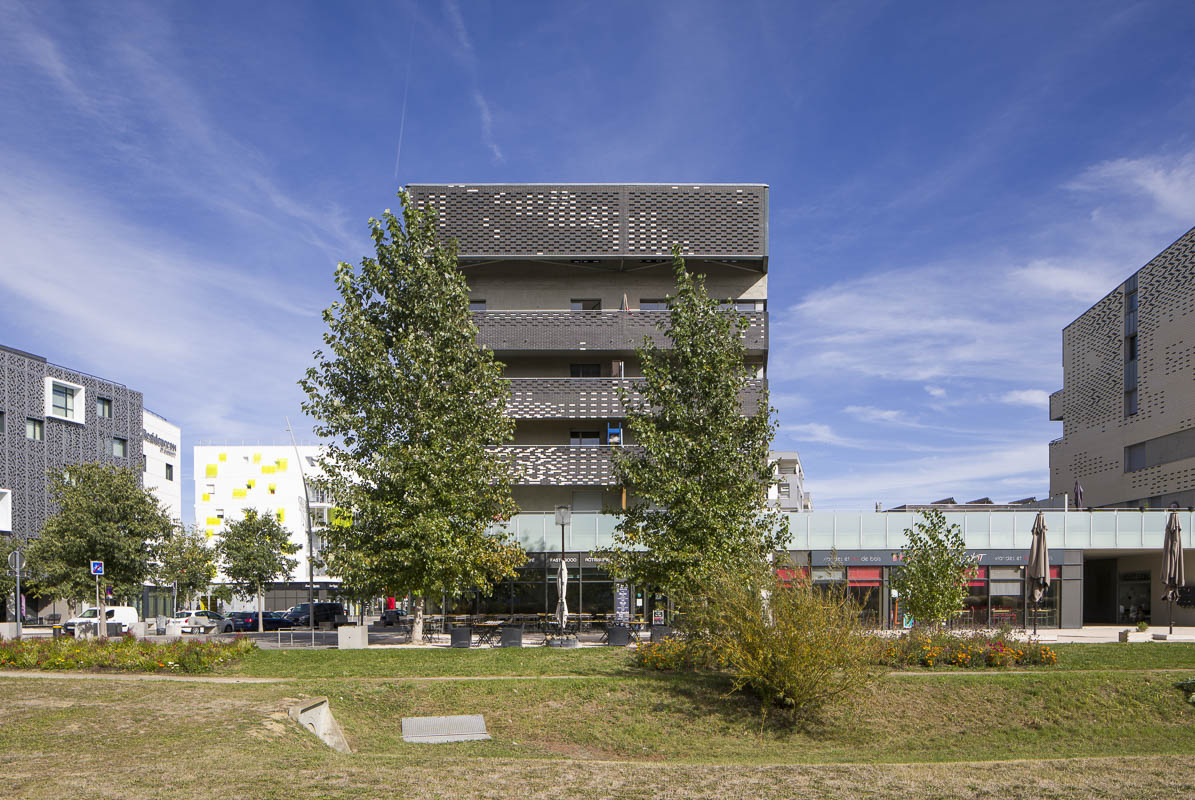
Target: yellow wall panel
238, 492
257, 458
213, 521
267, 469
282, 515
211, 470
206, 497
282, 465
224, 456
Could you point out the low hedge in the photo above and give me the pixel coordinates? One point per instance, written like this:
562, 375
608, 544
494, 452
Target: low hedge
126, 654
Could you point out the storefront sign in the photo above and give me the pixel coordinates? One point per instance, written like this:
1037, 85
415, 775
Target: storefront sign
169, 448
892, 558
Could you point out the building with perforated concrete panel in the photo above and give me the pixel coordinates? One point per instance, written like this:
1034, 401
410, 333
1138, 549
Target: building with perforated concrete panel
1127, 404
566, 280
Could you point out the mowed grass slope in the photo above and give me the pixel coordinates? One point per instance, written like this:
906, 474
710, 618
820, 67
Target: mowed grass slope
596, 661
610, 731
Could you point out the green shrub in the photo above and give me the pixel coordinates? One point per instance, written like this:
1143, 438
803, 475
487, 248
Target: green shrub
794, 646
1143, 626
126, 654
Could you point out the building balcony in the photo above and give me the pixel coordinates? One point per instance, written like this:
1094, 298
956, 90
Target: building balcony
545, 332
562, 465
590, 398
1056, 406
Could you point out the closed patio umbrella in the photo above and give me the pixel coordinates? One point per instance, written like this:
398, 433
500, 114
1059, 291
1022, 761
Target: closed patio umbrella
1078, 495
1173, 576
562, 600
1039, 564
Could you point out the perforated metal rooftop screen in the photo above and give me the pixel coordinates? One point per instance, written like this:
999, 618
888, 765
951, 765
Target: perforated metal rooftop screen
629, 221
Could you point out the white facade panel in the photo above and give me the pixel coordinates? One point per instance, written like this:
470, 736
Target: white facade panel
162, 449
232, 478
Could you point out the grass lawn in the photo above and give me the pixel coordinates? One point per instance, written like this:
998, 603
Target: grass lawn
609, 661
1096, 729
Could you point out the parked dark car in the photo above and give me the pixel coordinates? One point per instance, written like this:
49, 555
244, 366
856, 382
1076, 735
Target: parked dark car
246, 621
391, 616
300, 615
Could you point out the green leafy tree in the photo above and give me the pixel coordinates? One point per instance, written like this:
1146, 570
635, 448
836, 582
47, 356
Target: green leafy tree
698, 481
186, 562
102, 514
932, 581
253, 551
411, 408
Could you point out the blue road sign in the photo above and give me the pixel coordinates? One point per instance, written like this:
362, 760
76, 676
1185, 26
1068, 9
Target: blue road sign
97, 567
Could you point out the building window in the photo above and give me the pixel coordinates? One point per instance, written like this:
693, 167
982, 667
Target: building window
35, 430
585, 438
785, 490
585, 304
169, 472
646, 304
220, 513
1130, 348
1130, 402
103, 408
120, 447
477, 305
741, 305
1134, 457
585, 370
6, 510
1130, 300
65, 400
2, 428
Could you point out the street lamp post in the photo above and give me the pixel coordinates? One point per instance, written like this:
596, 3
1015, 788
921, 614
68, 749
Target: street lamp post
310, 542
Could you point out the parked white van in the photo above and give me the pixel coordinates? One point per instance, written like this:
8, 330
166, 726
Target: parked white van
125, 615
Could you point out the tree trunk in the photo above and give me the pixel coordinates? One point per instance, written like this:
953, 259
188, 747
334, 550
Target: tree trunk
261, 602
417, 622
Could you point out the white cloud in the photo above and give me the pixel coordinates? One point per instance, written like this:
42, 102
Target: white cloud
935, 391
818, 432
1026, 397
1167, 185
883, 415
468, 55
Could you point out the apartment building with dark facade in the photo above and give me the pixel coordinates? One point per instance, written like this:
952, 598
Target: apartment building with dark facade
52, 417
566, 280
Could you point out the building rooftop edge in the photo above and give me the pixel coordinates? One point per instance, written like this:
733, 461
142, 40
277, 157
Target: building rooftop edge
583, 183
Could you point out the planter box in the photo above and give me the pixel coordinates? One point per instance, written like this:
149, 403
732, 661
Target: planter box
352, 637
511, 637
461, 636
563, 641
8, 630
660, 632
1123, 636
618, 636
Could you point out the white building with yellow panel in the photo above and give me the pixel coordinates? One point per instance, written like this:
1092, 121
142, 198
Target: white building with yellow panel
232, 478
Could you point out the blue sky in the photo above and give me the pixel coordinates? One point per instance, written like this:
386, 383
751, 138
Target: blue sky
950, 185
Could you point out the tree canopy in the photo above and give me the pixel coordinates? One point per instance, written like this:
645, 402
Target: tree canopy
410, 408
102, 514
932, 581
185, 561
697, 477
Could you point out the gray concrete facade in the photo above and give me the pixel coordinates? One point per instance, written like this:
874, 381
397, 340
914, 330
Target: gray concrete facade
1127, 405
25, 381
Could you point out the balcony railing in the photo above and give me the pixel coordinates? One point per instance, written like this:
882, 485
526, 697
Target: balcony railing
606, 331
1056, 406
561, 465
590, 398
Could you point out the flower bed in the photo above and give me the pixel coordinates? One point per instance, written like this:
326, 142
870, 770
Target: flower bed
126, 654
968, 651
669, 654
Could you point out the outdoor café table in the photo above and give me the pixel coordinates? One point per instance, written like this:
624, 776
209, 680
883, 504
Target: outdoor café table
487, 632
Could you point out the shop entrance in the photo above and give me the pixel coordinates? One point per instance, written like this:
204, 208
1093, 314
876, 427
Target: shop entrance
1099, 591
